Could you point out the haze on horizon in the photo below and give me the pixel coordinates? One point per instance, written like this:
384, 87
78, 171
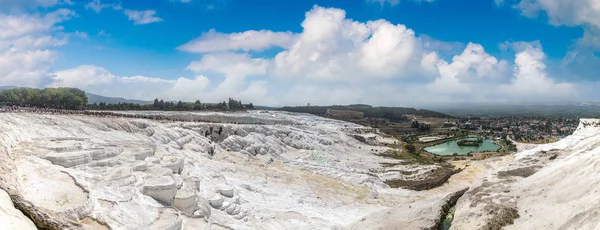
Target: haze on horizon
379, 52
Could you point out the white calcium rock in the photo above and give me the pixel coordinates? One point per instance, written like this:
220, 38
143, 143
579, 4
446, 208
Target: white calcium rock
226, 191
154, 160
139, 166
216, 201
10, 217
162, 189
70, 159
159, 170
175, 163
204, 208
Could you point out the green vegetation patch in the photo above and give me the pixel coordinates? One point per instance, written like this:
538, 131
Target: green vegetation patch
66, 98
407, 158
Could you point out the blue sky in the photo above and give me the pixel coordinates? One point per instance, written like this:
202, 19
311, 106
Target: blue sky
387, 52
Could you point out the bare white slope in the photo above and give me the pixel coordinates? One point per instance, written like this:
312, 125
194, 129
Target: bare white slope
551, 186
298, 172
11, 218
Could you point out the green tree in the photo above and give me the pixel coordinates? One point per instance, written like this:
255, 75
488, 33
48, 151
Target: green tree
411, 148
156, 103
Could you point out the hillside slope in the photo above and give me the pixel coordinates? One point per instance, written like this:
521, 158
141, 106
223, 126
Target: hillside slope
550, 186
94, 98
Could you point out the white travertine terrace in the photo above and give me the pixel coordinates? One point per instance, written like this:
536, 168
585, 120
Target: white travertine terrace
296, 171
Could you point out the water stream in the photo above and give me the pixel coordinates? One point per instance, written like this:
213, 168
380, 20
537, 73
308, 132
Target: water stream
447, 221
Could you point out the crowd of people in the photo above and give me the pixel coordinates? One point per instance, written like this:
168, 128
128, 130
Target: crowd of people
40, 110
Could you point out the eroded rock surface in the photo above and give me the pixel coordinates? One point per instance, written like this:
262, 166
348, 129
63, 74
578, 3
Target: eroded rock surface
83, 172
293, 171
10, 217
549, 186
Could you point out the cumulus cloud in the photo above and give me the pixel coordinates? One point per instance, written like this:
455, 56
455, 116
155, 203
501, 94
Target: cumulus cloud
467, 74
531, 79
333, 60
99, 80
230, 64
338, 60
212, 41
333, 48
25, 46
142, 17
82, 77
584, 13
570, 13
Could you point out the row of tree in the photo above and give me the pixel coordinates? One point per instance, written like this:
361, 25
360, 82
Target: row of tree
58, 98
161, 104
420, 126
73, 98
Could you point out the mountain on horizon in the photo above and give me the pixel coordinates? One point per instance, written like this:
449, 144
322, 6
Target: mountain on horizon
94, 98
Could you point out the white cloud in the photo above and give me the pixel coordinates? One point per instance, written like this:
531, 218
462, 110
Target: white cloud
394, 2
82, 77
185, 86
333, 48
20, 4
467, 72
25, 68
334, 60
257, 91
98, 6
565, 12
337, 60
591, 37
25, 39
531, 79
570, 13
95, 5
81, 34
234, 68
142, 17
212, 41
13, 26
99, 80
134, 79
301, 94
230, 64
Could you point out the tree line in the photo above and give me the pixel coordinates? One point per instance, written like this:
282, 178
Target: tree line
73, 98
161, 104
57, 98
394, 114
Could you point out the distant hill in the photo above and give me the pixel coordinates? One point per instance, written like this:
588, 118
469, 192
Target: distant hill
391, 113
579, 109
94, 98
